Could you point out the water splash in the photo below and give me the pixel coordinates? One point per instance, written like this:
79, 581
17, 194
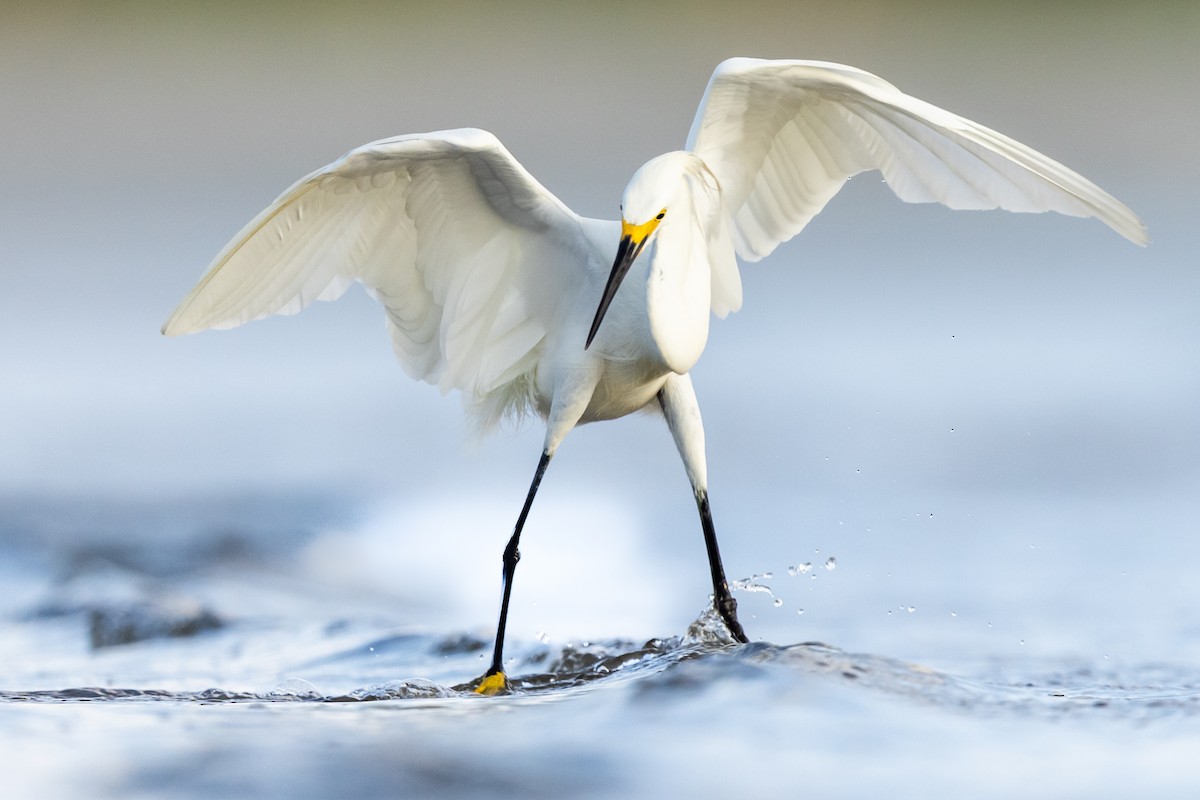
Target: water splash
752, 584
708, 630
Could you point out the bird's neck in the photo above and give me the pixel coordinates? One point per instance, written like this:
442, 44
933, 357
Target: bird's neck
678, 292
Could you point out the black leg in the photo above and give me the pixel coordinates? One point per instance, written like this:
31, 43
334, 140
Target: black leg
678, 402
494, 680
722, 599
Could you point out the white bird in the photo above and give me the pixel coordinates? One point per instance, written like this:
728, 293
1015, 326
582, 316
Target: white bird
492, 286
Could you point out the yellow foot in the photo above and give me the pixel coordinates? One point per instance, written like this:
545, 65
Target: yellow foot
492, 684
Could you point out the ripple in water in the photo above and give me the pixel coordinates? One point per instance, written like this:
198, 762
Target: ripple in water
704, 656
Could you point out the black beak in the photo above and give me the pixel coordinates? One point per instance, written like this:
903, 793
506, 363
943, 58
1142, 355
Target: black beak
627, 253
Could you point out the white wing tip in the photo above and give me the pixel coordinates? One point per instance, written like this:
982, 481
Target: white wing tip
178, 325
1135, 231
186, 319
174, 325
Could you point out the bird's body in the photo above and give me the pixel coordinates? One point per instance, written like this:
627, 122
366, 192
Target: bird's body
493, 287
623, 369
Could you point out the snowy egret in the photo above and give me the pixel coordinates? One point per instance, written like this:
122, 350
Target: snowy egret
492, 286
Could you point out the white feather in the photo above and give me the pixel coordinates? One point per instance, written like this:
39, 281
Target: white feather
492, 286
783, 136
465, 250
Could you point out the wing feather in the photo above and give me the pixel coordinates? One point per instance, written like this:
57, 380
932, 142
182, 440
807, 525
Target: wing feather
447, 230
783, 137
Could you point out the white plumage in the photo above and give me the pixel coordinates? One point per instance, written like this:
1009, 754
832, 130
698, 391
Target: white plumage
493, 287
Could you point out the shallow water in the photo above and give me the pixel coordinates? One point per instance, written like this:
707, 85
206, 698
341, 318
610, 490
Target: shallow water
130, 672
987, 420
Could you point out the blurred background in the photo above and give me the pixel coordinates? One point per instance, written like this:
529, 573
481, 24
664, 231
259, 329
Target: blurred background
989, 421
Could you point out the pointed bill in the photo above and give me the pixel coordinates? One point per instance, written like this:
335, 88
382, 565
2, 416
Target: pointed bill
633, 239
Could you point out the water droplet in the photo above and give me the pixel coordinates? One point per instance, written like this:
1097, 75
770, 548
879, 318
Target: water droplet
831, 564
911, 609
954, 613
778, 602
543, 637
800, 612
800, 569
749, 585
1022, 642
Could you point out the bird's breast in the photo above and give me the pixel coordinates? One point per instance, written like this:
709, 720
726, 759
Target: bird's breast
624, 387
627, 362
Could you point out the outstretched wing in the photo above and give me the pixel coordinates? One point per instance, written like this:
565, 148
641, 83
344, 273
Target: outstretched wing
782, 137
465, 250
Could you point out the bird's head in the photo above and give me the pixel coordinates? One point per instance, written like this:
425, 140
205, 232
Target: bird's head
658, 186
